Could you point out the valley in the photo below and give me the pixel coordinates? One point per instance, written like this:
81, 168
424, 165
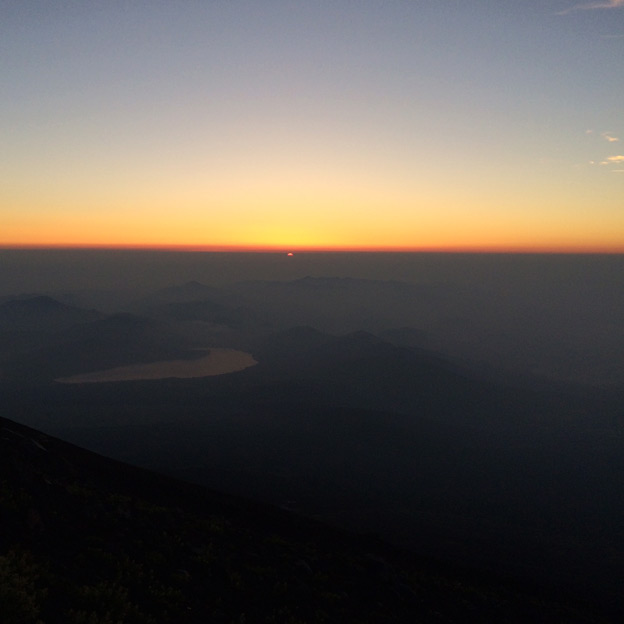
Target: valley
350, 401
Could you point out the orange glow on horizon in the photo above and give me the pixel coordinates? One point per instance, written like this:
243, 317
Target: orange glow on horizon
294, 249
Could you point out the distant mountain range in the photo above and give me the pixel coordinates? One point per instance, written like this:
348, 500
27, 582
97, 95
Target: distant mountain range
43, 314
374, 429
42, 338
563, 334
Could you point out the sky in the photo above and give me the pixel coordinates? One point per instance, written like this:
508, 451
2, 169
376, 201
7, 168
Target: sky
286, 125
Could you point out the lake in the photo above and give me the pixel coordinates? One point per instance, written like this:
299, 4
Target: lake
217, 362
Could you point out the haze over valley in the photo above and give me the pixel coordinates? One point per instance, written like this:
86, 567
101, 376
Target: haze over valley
466, 407
555, 316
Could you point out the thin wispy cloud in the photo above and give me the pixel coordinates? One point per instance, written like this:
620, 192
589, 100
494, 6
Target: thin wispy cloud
608, 137
612, 160
608, 4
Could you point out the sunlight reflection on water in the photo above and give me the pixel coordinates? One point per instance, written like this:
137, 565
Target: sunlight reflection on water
217, 362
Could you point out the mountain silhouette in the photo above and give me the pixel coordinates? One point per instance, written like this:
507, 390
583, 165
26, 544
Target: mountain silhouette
189, 291
87, 539
110, 341
42, 313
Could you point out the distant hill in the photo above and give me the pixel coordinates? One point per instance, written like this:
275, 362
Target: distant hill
87, 539
570, 331
206, 311
189, 291
34, 322
110, 341
209, 314
42, 313
405, 337
340, 305
371, 372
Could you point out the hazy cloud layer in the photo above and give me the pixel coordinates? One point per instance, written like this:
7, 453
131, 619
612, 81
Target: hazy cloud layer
608, 4
607, 136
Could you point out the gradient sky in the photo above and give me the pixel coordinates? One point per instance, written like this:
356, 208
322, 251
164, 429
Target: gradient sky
422, 124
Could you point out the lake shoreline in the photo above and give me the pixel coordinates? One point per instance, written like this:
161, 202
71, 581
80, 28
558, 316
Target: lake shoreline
218, 361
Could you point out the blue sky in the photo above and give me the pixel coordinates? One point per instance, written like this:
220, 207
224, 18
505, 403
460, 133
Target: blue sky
414, 124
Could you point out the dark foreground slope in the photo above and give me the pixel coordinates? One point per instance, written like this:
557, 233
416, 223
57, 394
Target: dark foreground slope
87, 539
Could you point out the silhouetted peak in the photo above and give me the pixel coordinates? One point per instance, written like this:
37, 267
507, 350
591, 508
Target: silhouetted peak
41, 312
310, 281
193, 287
190, 289
299, 338
35, 303
363, 337
121, 324
331, 282
405, 336
187, 292
125, 318
303, 331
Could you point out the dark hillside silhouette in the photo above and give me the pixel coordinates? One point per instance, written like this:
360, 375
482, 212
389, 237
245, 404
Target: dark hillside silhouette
42, 313
88, 539
109, 341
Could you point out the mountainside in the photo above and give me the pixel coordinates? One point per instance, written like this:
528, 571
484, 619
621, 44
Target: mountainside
42, 313
369, 371
190, 291
556, 331
343, 304
107, 341
86, 539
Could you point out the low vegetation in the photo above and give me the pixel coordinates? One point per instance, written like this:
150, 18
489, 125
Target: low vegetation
86, 540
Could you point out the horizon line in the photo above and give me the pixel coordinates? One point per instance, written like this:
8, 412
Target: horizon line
282, 249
